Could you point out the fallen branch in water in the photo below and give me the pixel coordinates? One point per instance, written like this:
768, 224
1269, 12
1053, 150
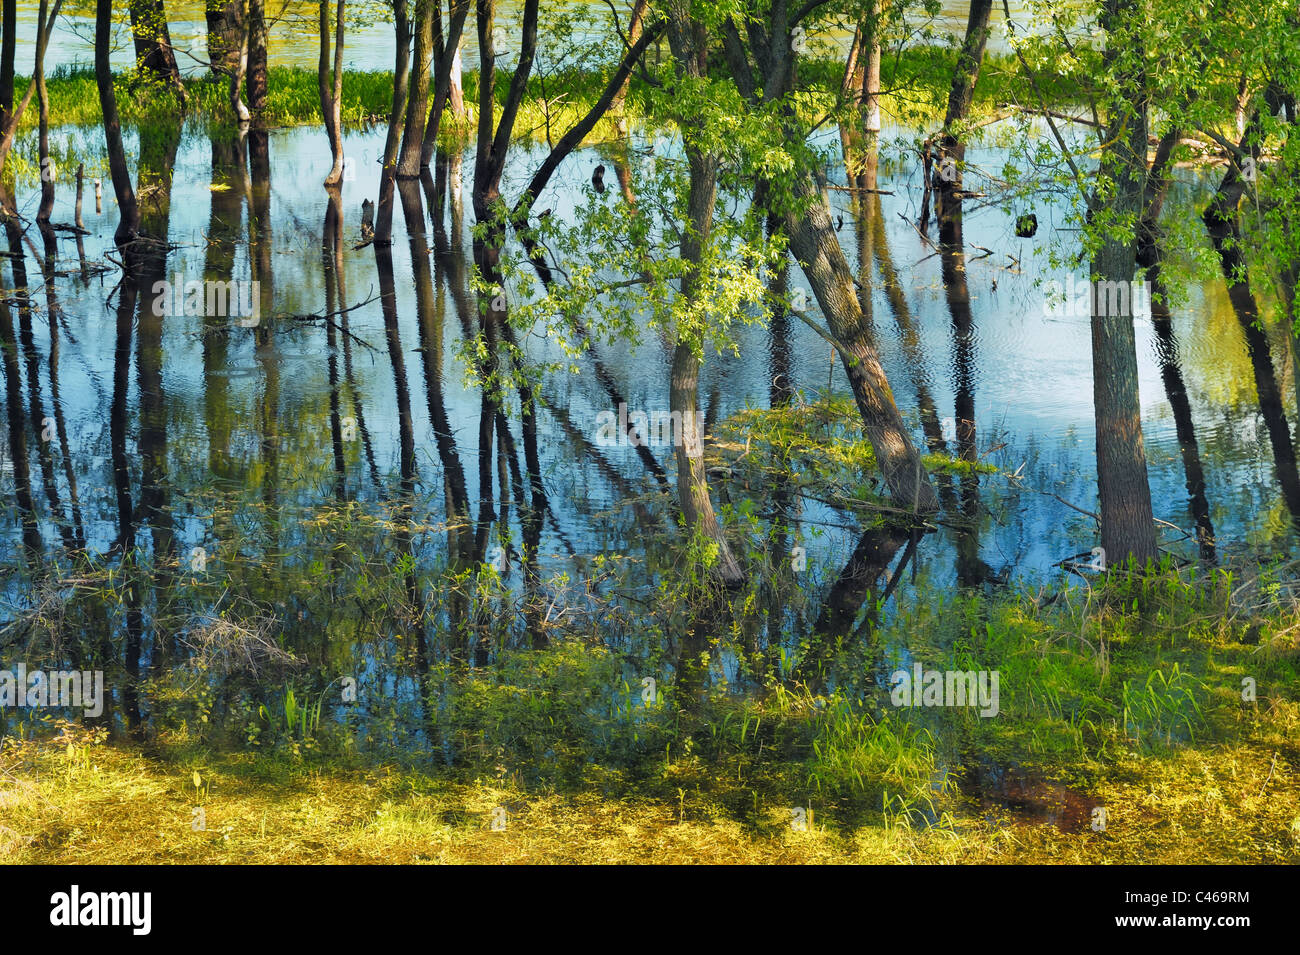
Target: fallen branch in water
314, 317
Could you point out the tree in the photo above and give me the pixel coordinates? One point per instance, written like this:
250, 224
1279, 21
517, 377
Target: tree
128, 225
759, 41
1113, 205
689, 43
331, 88
10, 118
153, 44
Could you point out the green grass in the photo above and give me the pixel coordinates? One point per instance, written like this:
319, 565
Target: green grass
1128, 695
916, 85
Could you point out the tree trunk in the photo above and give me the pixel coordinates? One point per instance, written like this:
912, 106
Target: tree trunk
48, 171
225, 19
494, 142
447, 77
153, 44
8, 39
684, 398
456, 84
813, 242
861, 88
634, 26
1127, 527
331, 89
417, 98
401, 77
952, 151
128, 225
257, 55
688, 43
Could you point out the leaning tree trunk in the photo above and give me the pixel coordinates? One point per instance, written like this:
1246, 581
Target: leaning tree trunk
815, 246
128, 225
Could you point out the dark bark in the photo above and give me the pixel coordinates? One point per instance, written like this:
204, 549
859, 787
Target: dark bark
401, 80
417, 97
128, 225
258, 38
1222, 219
153, 44
447, 77
225, 19
490, 156
1176, 391
952, 150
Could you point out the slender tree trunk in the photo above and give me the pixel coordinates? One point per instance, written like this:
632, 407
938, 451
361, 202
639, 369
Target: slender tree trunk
456, 84
447, 77
401, 79
8, 41
635, 23
11, 117
238, 74
494, 140
683, 395
128, 225
952, 151
688, 42
331, 89
44, 28
861, 88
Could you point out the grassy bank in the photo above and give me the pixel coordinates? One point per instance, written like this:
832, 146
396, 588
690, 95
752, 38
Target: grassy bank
916, 82
1127, 697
